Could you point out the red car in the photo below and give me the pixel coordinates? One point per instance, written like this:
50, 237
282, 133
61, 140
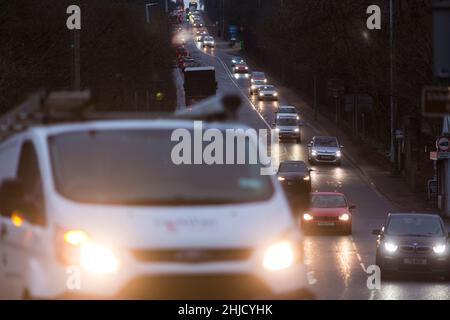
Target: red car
328, 210
240, 68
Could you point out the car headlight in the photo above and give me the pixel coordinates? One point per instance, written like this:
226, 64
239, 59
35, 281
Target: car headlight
297, 130
307, 178
279, 256
314, 153
281, 178
298, 118
97, 258
261, 94
344, 217
265, 80
390, 247
253, 87
307, 217
275, 94
277, 129
440, 248
338, 154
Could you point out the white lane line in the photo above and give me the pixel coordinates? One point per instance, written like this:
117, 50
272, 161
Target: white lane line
241, 91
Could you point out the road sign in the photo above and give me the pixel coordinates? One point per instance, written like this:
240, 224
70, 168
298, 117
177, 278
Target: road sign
439, 155
436, 101
335, 88
443, 144
441, 26
363, 103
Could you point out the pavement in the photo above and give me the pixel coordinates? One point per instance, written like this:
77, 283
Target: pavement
337, 265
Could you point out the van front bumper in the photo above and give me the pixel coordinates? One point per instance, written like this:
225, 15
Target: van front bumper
207, 281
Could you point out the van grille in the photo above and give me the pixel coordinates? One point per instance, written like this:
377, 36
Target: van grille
192, 255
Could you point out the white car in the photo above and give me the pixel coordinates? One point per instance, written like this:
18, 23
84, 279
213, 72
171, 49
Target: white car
287, 127
99, 209
288, 110
208, 41
267, 92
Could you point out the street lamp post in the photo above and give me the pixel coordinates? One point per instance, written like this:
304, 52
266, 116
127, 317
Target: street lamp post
147, 10
391, 89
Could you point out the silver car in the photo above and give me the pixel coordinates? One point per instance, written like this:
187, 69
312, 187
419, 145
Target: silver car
267, 92
324, 149
287, 127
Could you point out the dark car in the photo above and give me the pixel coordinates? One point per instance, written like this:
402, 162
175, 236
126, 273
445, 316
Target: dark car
295, 177
182, 52
412, 242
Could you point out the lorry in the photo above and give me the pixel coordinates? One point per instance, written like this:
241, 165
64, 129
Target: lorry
193, 5
199, 84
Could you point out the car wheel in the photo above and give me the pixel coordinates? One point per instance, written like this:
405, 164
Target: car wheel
299, 140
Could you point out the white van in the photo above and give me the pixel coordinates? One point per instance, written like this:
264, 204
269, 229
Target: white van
98, 210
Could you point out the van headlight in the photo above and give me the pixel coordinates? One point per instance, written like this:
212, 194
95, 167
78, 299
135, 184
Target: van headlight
75, 247
338, 154
390, 247
279, 256
314, 153
97, 258
297, 130
440, 248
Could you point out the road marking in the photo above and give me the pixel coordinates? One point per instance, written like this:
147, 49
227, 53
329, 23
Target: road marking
241, 91
311, 278
310, 275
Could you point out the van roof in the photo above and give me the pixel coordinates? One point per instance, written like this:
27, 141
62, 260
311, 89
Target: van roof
167, 124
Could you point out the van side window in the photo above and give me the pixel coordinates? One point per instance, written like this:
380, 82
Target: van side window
29, 173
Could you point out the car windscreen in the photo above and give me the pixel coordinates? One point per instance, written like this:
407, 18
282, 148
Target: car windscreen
258, 75
326, 142
293, 167
287, 122
135, 167
209, 39
415, 226
268, 88
328, 201
287, 110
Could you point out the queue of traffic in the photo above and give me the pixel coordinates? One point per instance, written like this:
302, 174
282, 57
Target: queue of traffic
424, 245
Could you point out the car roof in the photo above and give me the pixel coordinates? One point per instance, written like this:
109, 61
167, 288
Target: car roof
410, 214
328, 193
287, 107
324, 137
